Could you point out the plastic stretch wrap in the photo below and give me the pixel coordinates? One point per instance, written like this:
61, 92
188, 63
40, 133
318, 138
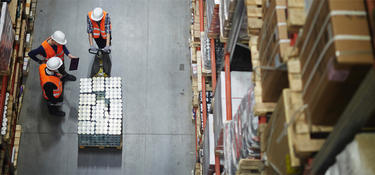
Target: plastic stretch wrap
213, 23
357, 158
6, 38
240, 134
230, 156
206, 53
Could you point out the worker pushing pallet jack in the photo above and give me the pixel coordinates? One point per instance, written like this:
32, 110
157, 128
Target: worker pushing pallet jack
99, 27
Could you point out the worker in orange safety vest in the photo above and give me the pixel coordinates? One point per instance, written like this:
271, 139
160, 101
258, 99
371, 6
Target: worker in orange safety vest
52, 86
54, 46
99, 27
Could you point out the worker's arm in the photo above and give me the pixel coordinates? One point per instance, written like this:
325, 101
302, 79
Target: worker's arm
48, 89
38, 51
90, 39
108, 39
108, 29
89, 30
67, 53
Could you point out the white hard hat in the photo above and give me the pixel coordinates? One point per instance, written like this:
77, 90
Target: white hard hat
59, 37
97, 14
54, 63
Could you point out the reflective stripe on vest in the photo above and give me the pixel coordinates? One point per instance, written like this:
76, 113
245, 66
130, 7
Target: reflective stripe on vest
44, 78
50, 52
98, 30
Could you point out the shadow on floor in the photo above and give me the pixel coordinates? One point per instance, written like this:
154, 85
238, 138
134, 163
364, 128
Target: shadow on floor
92, 157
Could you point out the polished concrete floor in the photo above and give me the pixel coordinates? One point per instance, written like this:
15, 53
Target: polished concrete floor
150, 52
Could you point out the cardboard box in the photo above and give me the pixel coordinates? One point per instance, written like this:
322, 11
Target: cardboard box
335, 55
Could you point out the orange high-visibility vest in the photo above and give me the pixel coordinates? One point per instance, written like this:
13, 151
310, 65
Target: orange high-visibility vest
45, 78
99, 30
51, 53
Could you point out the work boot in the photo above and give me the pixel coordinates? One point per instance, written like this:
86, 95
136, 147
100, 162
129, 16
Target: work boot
68, 77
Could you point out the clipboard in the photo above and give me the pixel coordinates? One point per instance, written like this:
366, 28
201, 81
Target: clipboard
74, 64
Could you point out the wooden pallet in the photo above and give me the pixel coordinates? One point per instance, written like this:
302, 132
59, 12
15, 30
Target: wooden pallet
261, 129
13, 11
17, 139
195, 37
198, 169
272, 45
294, 74
296, 15
254, 16
261, 107
253, 2
290, 137
100, 147
250, 167
195, 92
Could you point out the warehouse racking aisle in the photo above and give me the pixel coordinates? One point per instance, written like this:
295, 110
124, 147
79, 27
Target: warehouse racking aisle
150, 52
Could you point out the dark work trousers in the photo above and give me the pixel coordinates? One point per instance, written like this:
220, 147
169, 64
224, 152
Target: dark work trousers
107, 64
52, 107
102, 42
62, 69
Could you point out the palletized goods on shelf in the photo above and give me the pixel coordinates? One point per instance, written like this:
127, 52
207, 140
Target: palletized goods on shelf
240, 135
333, 59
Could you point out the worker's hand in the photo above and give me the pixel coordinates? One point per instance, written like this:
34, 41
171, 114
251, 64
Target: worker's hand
107, 49
72, 57
93, 48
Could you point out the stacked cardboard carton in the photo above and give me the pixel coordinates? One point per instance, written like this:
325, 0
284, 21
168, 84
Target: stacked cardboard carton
335, 53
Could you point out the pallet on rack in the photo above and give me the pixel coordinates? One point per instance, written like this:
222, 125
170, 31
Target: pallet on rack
250, 167
198, 169
22, 38
290, 137
227, 19
195, 37
17, 139
199, 70
195, 92
261, 130
253, 2
272, 46
18, 23
296, 15
9, 117
332, 68
294, 74
27, 8
13, 11
254, 16
261, 107
32, 16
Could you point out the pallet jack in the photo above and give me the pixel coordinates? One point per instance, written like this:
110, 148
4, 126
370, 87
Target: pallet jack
98, 69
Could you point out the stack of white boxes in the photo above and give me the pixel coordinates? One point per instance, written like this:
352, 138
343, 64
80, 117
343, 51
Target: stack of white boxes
100, 106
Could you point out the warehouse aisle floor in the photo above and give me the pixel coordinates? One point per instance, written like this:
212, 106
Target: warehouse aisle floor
150, 51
